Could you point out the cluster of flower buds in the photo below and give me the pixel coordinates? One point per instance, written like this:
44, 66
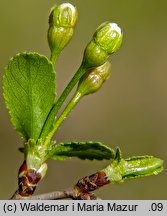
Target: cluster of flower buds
95, 68
106, 40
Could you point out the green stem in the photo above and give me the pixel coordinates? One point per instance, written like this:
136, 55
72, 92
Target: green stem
51, 117
73, 102
69, 87
53, 57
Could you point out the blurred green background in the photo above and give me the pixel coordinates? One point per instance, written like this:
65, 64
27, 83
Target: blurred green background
130, 111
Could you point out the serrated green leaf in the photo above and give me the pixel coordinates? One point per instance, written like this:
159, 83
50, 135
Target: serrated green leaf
29, 92
83, 150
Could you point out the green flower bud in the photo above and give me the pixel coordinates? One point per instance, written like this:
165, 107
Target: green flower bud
62, 21
109, 37
64, 15
106, 40
94, 78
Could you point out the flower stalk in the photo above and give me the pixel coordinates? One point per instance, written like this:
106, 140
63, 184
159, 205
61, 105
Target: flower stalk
89, 83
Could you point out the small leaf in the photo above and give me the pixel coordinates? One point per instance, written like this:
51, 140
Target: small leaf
83, 150
138, 166
132, 168
29, 92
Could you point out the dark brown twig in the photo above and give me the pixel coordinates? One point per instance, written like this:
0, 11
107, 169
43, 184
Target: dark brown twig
73, 193
81, 191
